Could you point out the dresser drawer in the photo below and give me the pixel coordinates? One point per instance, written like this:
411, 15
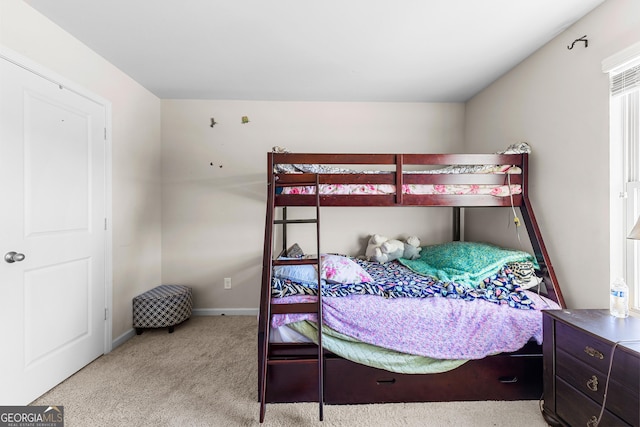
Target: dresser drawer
576, 409
591, 382
597, 353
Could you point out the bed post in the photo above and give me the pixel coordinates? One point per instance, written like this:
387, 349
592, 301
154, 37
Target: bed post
456, 224
265, 291
399, 159
284, 230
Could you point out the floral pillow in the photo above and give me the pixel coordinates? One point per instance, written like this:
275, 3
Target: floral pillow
340, 269
335, 269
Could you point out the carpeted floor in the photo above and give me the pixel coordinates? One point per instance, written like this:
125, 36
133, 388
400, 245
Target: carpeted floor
205, 374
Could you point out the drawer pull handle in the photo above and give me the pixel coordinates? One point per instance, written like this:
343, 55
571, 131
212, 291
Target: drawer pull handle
386, 382
593, 421
592, 384
508, 380
593, 352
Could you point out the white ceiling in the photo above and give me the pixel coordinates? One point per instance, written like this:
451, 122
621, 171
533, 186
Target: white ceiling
322, 50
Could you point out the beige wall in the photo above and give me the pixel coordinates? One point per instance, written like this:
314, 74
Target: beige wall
214, 216
557, 100
135, 144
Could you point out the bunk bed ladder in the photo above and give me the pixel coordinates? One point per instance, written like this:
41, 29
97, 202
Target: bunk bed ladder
271, 309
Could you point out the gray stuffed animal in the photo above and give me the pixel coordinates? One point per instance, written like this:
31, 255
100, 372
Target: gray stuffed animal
412, 248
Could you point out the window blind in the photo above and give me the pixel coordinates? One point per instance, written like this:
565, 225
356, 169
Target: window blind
625, 81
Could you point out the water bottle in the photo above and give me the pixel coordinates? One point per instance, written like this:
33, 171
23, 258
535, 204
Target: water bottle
619, 299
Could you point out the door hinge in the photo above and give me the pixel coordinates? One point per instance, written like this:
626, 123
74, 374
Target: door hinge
105, 134
106, 314
105, 223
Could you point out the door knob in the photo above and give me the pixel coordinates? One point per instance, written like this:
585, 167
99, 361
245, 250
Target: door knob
12, 257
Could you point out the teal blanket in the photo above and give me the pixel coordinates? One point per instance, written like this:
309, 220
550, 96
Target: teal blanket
467, 263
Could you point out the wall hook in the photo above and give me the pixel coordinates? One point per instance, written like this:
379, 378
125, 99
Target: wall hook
581, 39
213, 122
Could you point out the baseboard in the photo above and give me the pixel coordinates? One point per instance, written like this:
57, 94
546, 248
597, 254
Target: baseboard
225, 312
123, 338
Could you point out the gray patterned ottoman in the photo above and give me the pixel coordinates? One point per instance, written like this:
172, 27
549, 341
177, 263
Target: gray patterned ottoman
162, 306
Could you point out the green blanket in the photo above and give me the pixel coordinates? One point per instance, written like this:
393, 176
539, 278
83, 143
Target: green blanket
371, 355
466, 263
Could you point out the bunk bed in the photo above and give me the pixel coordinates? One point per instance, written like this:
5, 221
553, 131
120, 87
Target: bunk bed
307, 370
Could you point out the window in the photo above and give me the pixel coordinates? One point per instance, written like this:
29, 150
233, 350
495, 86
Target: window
624, 72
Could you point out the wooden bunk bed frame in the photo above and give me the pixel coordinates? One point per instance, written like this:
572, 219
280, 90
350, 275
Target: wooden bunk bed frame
291, 372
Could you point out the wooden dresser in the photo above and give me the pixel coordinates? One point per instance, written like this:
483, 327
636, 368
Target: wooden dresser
577, 350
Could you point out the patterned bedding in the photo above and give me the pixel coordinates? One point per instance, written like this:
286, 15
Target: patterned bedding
399, 312
394, 280
421, 189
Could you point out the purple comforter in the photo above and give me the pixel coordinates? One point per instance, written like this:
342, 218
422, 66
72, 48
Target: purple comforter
440, 328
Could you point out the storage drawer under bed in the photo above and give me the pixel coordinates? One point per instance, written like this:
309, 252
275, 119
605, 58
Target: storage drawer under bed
501, 377
492, 378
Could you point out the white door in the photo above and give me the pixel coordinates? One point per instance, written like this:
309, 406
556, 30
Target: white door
52, 213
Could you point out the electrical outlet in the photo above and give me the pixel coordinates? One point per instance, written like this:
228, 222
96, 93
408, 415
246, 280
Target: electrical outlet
227, 282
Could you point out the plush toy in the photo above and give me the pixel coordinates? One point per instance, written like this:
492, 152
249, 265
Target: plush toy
382, 249
392, 249
373, 251
412, 248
